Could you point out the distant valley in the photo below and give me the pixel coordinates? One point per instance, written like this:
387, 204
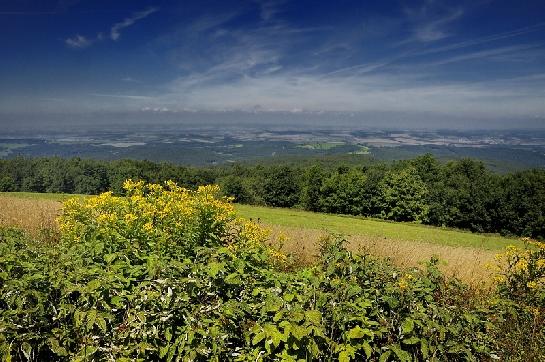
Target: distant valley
500, 150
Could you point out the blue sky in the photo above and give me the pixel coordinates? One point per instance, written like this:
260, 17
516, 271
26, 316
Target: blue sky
479, 62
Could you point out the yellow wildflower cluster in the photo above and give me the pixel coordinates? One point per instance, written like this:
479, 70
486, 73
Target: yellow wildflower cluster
164, 213
518, 268
404, 282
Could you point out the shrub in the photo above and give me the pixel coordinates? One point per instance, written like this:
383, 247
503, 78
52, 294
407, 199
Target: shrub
521, 274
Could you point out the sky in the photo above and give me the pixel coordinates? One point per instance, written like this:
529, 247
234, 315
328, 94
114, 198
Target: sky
431, 63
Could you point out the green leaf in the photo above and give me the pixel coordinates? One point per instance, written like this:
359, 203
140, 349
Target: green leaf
384, 357
108, 258
367, 349
233, 278
400, 353
93, 285
258, 338
91, 318
163, 351
412, 340
56, 348
85, 352
344, 357
27, 350
314, 317
407, 326
117, 301
214, 268
101, 323
358, 332
424, 348
288, 297
273, 304
5, 352
168, 334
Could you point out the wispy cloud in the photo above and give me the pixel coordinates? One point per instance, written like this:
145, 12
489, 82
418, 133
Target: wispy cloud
485, 39
486, 54
115, 32
270, 8
430, 22
435, 30
130, 80
79, 41
369, 93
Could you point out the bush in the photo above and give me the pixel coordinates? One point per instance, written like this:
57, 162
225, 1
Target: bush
521, 276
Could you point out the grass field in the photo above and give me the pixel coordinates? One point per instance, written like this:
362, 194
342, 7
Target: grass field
462, 254
350, 225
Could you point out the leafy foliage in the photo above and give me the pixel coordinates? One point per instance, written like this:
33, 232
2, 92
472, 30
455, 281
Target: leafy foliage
402, 196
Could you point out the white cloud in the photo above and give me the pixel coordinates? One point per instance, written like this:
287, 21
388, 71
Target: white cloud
78, 42
362, 93
485, 39
435, 29
431, 21
486, 54
115, 32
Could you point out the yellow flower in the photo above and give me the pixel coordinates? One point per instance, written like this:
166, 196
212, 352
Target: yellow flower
148, 227
129, 218
499, 278
531, 285
402, 283
521, 265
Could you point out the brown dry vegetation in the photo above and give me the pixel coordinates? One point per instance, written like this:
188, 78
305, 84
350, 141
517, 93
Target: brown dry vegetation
469, 264
34, 216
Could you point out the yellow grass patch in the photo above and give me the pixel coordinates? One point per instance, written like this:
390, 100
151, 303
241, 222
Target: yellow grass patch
35, 216
468, 264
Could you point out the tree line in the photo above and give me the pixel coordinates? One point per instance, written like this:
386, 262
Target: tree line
462, 194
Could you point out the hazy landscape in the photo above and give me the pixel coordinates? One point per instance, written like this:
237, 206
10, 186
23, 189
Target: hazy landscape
500, 150
272, 180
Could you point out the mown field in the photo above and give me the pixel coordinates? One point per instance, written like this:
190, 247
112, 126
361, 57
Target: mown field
462, 254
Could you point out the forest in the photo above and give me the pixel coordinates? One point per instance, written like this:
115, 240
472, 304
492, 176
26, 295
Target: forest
461, 194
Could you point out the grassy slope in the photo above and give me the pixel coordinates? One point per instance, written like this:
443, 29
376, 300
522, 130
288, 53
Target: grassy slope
347, 225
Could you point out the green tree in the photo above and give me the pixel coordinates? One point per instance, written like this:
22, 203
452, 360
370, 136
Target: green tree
522, 210
344, 193
403, 196
236, 187
467, 197
312, 183
6, 183
280, 187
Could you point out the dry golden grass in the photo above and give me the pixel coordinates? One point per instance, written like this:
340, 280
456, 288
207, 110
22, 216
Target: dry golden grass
465, 263
34, 216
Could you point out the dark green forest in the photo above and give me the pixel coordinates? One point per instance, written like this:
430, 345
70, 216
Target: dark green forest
462, 194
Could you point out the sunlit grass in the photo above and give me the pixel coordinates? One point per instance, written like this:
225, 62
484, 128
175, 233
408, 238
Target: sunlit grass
349, 225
